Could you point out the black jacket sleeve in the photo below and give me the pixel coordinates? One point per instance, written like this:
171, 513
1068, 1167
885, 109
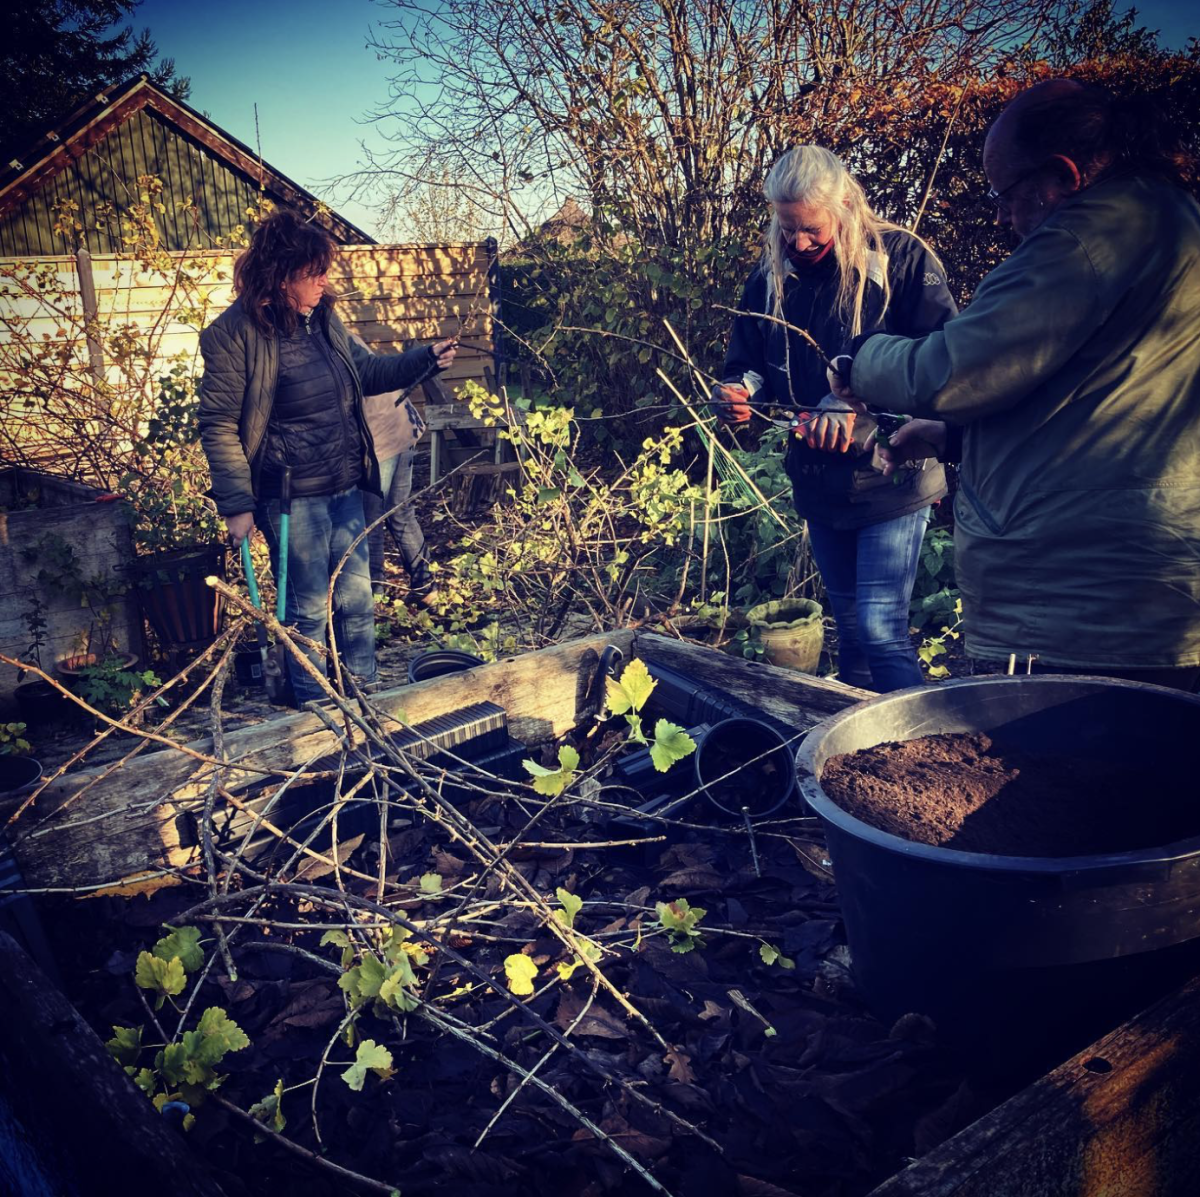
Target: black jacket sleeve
747, 350
920, 301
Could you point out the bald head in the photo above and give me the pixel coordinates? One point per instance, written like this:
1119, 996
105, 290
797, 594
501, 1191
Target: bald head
1049, 142
1057, 118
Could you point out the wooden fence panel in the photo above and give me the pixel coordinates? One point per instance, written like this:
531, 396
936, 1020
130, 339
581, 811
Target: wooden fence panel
392, 296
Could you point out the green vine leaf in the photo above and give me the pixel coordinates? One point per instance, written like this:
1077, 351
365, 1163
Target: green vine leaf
269, 1111
631, 691
125, 1045
679, 920
520, 971
183, 942
552, 782
671, 744
370, 1057
165, 977
571, 905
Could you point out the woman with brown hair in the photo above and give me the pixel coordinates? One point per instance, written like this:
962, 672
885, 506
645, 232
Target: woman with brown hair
283, 390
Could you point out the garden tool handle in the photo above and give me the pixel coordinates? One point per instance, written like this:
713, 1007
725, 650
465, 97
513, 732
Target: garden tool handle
248, 570
285, 517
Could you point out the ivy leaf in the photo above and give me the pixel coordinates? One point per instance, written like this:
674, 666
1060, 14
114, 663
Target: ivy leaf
671, 744
520, 971
552, 782
571, 905
165, 977
183, 942
631, 691
337, 938
370, 1057
125, 1045
431, 883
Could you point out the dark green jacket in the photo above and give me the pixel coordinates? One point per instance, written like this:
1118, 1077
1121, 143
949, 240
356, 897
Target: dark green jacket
241, 366
1076, 375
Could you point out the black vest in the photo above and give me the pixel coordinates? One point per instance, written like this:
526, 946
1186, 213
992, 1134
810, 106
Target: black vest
314, 420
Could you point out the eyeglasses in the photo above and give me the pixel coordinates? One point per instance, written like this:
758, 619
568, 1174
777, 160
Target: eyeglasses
997, 197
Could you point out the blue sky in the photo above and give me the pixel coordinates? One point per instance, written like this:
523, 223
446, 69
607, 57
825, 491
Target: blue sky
306, 65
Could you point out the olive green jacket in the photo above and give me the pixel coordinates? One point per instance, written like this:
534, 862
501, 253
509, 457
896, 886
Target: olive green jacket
1076, 373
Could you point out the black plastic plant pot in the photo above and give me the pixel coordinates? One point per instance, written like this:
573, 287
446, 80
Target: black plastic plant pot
1021, 960
745, 767
440, 661
18, 775
248, 665
40, 703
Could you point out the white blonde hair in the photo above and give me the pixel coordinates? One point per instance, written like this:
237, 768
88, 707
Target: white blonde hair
811, 175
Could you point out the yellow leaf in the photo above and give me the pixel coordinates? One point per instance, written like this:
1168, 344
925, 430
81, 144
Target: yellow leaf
520, 971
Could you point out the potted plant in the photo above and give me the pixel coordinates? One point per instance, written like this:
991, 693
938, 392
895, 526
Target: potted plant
19, 772
176, 531
37, 699
112, 686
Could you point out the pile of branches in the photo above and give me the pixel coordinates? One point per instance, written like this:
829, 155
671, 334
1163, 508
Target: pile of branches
437, 977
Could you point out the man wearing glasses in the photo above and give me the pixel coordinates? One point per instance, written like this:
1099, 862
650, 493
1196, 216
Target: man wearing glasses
1069, 391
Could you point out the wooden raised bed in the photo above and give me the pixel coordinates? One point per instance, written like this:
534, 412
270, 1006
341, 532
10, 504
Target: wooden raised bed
1121, 1119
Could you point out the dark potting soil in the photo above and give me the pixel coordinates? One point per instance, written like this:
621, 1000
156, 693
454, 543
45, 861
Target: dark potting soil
963, 791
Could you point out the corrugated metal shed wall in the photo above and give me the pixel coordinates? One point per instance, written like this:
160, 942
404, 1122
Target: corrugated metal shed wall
143, 144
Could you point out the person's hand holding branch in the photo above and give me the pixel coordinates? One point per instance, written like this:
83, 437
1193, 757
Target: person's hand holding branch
913, 441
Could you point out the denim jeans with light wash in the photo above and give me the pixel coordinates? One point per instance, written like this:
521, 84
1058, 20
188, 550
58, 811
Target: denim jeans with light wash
396, 476
869, 575
320, 531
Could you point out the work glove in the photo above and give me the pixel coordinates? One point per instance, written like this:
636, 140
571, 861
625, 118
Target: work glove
730, 403
829, 431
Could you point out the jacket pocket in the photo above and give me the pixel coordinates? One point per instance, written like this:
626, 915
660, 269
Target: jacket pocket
980, 510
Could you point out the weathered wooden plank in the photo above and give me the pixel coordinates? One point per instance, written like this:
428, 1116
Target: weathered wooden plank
53, 1061
795, 698
1121, 1119
127, 823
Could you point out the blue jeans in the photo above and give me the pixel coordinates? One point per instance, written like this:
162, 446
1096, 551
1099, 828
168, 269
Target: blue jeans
320, 531
396, 475
869, 575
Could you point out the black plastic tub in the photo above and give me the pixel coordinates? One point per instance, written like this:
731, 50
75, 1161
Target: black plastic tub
440, 661
1022, 959
744, 767
18, 775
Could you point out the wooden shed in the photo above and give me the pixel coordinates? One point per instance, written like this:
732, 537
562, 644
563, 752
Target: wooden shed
94, 156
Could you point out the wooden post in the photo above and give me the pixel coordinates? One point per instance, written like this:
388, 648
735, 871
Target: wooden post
526, 381
91, 311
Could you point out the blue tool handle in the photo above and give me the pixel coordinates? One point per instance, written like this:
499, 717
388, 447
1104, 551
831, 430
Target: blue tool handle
248, 569
285, 519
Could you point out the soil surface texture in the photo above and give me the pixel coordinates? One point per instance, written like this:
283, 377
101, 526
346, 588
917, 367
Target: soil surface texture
963, 791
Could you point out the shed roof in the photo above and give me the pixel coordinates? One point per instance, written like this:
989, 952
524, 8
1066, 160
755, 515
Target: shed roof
70, 138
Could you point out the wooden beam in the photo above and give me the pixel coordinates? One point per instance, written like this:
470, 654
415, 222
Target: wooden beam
1121, 1119
795, 698
52, 1062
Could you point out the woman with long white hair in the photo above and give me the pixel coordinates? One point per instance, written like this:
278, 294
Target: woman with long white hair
834, 269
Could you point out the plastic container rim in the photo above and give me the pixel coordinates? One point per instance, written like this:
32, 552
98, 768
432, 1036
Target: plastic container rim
823, 806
